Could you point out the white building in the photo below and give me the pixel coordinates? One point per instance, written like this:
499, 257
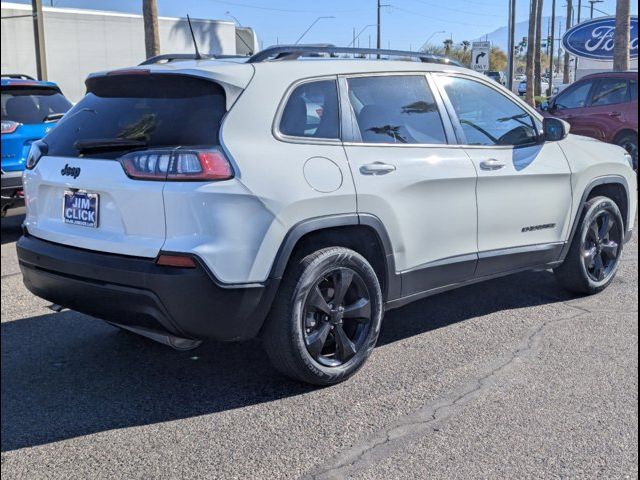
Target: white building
80, 41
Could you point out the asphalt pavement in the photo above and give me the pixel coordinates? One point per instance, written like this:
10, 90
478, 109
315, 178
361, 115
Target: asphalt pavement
513, 378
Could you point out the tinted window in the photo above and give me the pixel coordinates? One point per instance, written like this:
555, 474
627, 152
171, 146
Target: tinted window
312, 111
633, 87
487, 117
574, 97
32, 105
396, 109
610, 92
159, 110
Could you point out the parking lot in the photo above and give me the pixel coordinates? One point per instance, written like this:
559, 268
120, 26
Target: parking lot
513, 378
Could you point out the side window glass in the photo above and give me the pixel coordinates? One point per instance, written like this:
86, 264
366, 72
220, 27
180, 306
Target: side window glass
574, 97
633, 87
396, 109
488, 117
312, 111
610, 92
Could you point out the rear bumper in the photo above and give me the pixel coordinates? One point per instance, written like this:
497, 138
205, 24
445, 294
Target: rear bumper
11, 184
135, 292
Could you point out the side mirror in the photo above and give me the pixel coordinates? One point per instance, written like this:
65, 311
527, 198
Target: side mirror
544, 106
554, 129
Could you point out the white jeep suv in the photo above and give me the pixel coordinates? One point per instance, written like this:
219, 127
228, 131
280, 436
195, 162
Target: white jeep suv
297, 199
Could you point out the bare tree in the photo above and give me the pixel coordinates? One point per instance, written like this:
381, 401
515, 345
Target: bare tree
531, 46
537, 57
151, 35
622, 37
566, 74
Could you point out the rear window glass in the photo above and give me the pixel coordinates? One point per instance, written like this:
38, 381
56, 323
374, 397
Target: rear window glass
32, 105
155, 110
312, 111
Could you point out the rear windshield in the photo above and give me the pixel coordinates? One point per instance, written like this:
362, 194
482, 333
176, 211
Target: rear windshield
154, 110
32, 105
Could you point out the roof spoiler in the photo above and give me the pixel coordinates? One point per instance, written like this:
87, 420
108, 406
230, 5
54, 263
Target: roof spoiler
293, 52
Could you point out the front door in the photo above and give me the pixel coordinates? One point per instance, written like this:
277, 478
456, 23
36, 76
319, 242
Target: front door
407, 175
524, 189
572, 105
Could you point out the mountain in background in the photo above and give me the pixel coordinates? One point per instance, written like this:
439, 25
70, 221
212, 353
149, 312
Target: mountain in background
500, 37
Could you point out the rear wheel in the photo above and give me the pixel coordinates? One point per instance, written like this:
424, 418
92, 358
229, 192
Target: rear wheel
629, 142
594, 255
326, 317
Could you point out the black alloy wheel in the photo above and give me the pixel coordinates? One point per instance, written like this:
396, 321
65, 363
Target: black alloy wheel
601, 247
337, 317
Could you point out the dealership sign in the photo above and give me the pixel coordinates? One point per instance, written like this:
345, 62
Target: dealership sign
595, 39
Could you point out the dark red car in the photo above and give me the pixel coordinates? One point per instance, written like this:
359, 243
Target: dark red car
602, 106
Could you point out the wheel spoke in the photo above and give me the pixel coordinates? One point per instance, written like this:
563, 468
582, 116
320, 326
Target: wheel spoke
342, 281
588, 257
316, 340
345, 349
361, 309
598, 267
607, 225
593, 233
317, 301
610, 249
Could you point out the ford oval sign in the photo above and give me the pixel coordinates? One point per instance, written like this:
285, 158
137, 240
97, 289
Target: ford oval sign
595, 38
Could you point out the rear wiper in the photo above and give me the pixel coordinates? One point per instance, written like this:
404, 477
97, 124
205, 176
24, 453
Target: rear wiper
96, 145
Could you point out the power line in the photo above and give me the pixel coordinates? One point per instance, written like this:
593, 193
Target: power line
287, 10
454, 9
449, 21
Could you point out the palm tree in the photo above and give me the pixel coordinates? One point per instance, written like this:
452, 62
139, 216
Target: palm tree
531, 45
537, 60
151, 35
623, 30
566, 72
465, 45
448, 43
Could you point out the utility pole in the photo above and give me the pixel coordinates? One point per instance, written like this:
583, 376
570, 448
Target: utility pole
512, 46
553, 46
622, 35
575, 64
537, 60
379, 28
567, 66
38, 37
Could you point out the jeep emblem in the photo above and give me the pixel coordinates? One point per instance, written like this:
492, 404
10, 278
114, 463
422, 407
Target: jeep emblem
70, 171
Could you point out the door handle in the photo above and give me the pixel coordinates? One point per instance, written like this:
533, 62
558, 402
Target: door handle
615, 114
377, 168
491, 164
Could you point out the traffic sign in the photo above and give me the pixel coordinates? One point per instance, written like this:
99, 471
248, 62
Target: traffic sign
480, 56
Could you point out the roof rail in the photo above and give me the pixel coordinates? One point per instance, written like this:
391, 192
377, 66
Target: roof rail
170, 57
18, 76
293, 52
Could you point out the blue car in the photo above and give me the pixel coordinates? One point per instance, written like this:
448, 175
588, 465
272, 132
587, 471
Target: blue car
30, 109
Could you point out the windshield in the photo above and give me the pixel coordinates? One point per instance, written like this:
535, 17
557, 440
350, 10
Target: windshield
124, 112
32, 105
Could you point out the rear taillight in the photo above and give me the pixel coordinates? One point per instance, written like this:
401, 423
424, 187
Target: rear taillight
177, 165
9, 126
36, 151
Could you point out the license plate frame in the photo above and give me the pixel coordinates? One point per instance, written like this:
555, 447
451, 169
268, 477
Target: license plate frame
74, 214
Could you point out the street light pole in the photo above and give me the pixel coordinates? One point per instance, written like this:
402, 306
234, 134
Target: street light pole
512, 41
310, 27
593, 2
355, 37
38, 36
425, 44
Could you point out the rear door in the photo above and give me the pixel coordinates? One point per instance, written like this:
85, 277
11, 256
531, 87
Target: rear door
407, 175
607, 108
79, 193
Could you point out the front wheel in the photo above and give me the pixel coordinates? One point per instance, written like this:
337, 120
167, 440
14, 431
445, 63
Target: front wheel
594, 255
629, 142
326, 317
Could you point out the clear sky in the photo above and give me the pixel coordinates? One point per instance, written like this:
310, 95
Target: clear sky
405, 23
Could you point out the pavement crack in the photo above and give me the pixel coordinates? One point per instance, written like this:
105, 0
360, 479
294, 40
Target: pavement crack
381, 444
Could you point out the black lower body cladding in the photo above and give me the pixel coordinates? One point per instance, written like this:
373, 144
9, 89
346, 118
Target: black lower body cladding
135, 292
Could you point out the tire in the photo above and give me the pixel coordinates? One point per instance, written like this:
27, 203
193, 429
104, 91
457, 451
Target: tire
629, 142
596, 248
304, 335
